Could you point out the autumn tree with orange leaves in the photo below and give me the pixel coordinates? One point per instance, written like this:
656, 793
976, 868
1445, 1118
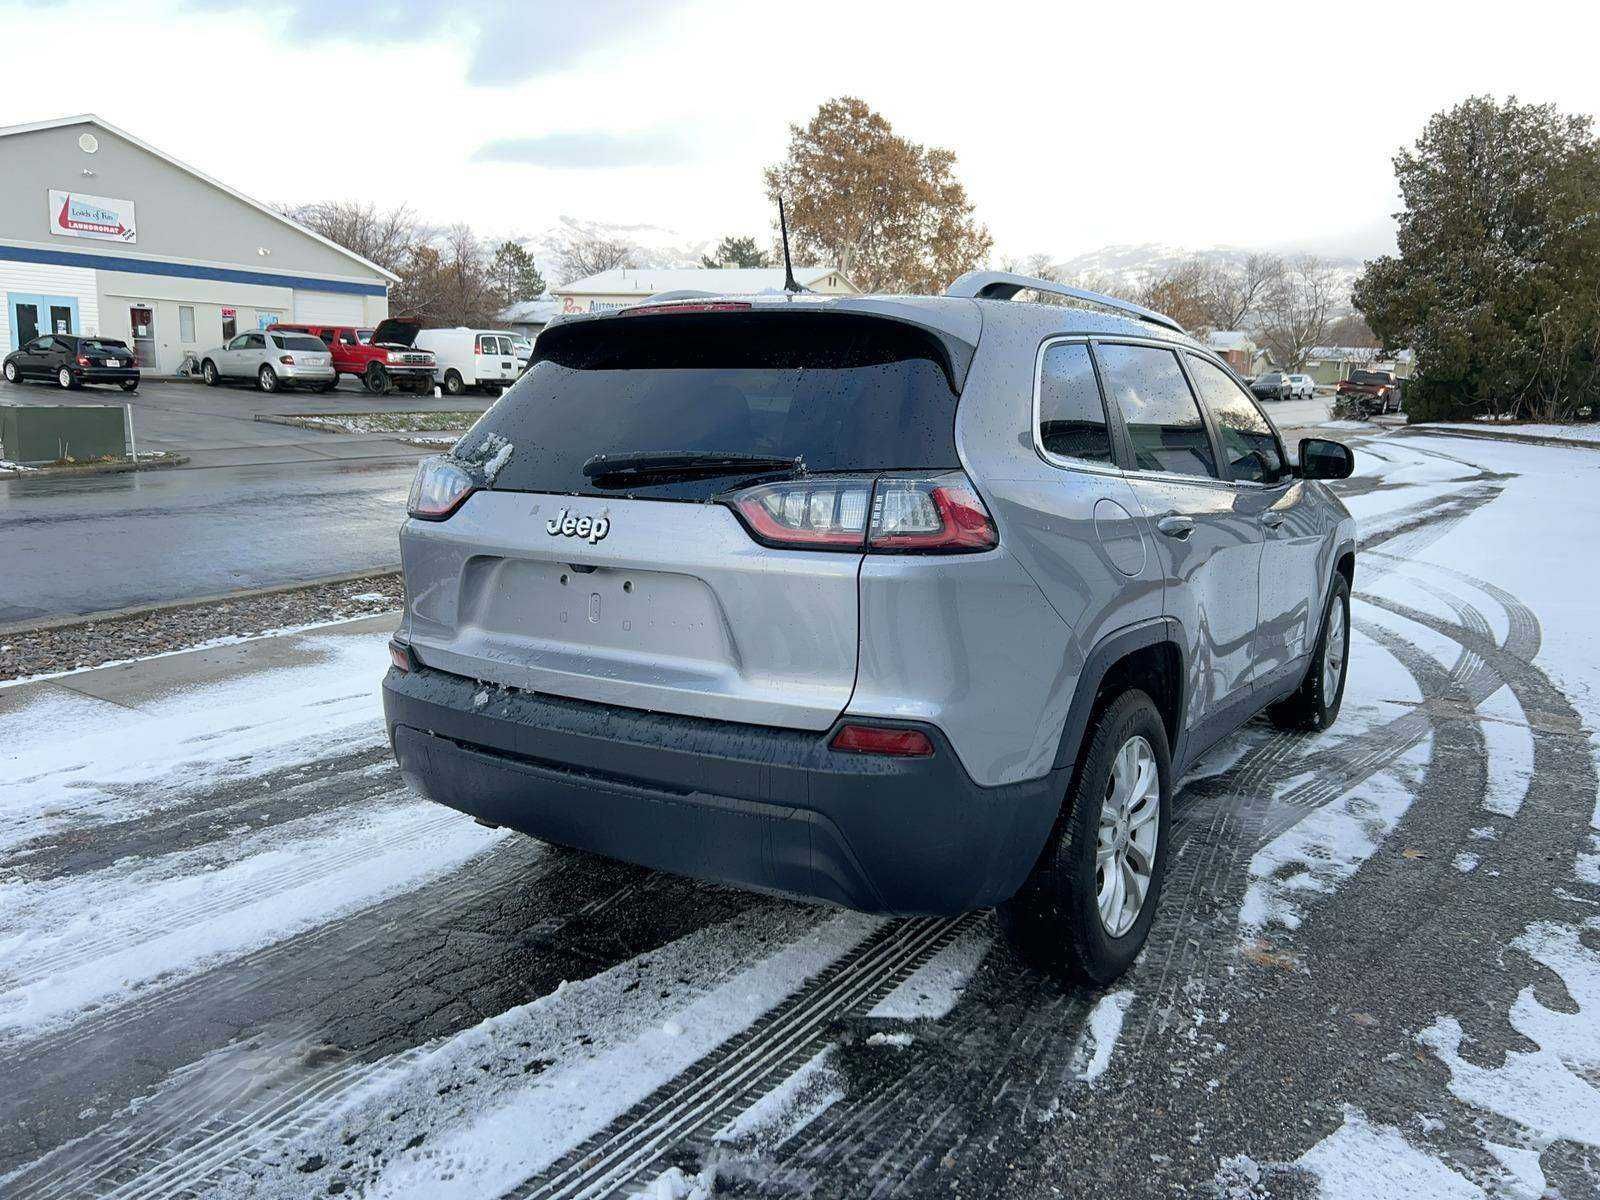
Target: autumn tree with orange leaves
888, 213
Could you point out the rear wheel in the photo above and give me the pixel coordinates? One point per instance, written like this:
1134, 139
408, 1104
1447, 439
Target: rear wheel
208, 372
1315, 706
267, 379
1086, 909
65, 379
11, 372
129, 385
376, 380
330, 385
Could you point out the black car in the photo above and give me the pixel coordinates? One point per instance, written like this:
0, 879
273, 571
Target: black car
1274, 385
71, 361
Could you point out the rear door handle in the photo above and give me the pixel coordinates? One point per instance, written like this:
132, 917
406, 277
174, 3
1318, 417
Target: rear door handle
1272, 519
1176, 526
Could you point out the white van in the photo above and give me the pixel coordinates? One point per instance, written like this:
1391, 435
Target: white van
470, 358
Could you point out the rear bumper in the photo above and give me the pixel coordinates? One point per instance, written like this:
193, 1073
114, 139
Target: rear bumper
107, 374
770, 809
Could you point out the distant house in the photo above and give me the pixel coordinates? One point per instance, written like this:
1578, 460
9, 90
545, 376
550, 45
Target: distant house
528, 317
1236, 348
624, 286
1333, 364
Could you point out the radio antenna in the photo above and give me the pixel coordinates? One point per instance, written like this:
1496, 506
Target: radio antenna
789, 284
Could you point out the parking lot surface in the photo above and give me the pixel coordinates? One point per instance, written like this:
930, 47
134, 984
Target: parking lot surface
243, 960
258, 503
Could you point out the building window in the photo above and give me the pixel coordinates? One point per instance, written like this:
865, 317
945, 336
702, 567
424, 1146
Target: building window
186, 322
230, 324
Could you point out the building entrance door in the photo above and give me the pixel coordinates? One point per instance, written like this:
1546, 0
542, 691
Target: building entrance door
143, 323
25, 321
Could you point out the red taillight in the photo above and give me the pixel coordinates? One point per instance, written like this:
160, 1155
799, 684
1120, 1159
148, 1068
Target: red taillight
694, 307
876, 739
83, 360
889, 514
439, 488
929, 515
286, 358
400, 656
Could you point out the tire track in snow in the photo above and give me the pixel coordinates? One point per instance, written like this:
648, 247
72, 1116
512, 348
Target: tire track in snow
211, 1118
726, 1083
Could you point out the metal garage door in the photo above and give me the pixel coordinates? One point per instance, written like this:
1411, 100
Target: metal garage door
327, 308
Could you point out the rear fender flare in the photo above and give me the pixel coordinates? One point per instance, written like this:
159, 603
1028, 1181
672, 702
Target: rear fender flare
1099, 661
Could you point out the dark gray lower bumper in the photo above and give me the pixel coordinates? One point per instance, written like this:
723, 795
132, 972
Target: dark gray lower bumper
770, 809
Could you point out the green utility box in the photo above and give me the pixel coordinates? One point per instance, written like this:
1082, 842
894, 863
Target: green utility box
32, 434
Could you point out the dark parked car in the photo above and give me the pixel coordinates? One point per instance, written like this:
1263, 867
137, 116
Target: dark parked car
1274, 385
71, 361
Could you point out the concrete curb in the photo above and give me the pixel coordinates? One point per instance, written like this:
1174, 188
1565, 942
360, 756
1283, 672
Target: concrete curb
112, 468
140, 610
1500, 435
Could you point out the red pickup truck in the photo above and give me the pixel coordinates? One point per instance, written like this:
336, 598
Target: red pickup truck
1371, 391
382, 359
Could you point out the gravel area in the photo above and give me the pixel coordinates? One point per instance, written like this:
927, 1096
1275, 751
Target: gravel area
422, 421
115, 639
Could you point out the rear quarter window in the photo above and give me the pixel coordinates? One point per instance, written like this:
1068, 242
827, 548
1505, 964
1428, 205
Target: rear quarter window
843, 392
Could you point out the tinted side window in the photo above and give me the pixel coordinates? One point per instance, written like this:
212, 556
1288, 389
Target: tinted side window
1072, 416
1164, 424
1248, 442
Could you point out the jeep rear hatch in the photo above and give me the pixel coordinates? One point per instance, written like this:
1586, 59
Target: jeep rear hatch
602, 557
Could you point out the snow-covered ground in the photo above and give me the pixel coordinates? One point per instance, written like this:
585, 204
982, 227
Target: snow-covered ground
238, 958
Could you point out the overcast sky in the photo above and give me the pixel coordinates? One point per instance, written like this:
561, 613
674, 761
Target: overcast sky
1075, 126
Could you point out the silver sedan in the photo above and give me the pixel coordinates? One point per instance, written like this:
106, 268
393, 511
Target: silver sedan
274, 360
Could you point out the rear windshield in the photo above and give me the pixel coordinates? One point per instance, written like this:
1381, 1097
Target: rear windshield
1369, 377
844, 392
1271, 377
106, 344
298, 341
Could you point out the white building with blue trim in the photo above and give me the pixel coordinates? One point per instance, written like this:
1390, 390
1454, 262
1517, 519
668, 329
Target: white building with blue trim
103, 234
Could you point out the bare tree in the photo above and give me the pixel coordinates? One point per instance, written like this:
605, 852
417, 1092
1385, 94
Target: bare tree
1297, 308
1179, 291
383, 236
1233, 291
579, 255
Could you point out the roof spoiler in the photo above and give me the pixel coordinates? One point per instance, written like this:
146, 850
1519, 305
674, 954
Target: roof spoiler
1003, 285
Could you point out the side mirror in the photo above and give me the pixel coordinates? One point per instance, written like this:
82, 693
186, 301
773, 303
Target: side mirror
1324, 459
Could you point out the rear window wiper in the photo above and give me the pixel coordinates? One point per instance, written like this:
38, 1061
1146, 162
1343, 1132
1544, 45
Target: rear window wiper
686, 463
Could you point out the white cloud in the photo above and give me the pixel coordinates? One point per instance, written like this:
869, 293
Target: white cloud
1075, 127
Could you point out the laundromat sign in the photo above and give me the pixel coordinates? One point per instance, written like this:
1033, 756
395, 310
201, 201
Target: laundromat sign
73, 214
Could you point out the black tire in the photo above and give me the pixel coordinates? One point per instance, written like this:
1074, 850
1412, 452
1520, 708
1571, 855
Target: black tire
11, 373
453, 384
267, 379
130, 385
1054, 922
376, 380
208, 372
66, 380
330, 385
1311, 708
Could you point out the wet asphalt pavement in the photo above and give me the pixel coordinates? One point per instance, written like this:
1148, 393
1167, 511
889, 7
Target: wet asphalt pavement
339, 1057
257, 505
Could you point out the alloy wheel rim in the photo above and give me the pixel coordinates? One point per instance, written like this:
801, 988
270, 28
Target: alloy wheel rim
1130, 826
65, 377
1333, 654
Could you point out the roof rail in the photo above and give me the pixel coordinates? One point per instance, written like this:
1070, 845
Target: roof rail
1002, 285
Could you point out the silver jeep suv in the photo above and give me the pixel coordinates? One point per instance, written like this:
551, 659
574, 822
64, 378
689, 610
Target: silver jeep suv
913, 604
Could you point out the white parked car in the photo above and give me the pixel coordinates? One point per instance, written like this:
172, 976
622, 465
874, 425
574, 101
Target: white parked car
1302, 387
274, 360
471, 358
